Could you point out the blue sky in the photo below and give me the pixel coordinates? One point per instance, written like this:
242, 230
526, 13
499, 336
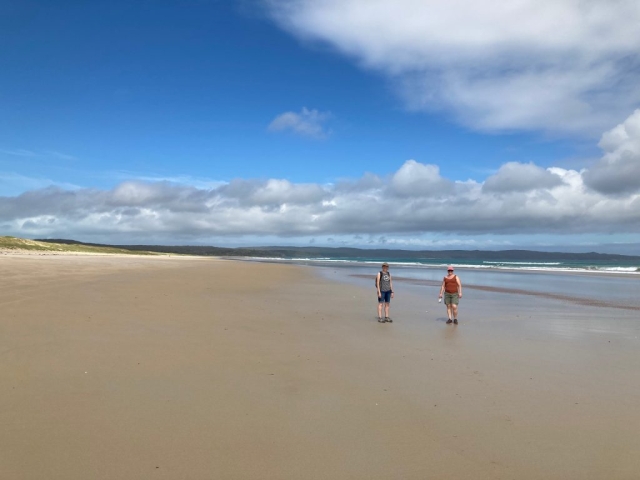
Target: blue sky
275, 121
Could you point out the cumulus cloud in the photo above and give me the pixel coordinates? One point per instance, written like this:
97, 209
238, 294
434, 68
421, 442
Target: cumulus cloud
308, 123
416, 199
415, 179
518, 177
272, 193
618, 171
552, 65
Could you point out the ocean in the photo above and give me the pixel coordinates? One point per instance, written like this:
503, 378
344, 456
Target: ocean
606, 283
619, 266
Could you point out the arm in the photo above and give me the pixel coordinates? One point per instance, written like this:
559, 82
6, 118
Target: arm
459, 286
391, 284
378, 284
441, 289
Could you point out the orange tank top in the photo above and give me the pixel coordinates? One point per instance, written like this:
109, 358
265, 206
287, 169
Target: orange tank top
451, 284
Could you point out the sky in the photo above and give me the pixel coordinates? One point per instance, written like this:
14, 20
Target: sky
418, 124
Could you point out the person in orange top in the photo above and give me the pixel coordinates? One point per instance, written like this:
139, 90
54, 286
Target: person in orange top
452, 289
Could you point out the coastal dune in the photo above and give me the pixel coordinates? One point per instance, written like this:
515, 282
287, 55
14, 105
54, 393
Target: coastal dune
192, 368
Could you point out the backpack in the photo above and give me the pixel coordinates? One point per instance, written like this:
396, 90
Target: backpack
375, 279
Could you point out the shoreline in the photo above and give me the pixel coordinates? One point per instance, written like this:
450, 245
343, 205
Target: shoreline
13, 252
401, 266
517, 291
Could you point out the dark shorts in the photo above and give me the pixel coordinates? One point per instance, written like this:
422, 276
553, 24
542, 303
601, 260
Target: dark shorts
451, 298
385, 297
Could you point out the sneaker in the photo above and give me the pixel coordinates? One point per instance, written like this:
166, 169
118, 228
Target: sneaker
387, 319
449, 321
380, 320
455, 321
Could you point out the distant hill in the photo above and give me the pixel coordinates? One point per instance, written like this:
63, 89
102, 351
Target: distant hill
290, 252
179, 249
14, 243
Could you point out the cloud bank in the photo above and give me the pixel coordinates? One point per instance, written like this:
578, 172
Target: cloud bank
416, 199
552, 65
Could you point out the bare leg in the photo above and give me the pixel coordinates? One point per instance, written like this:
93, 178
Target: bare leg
386, 310
379, 310
455, 311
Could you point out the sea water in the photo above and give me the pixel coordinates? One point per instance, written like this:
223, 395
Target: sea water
604, 281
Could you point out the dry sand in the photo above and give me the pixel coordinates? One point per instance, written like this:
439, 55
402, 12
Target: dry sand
184, 368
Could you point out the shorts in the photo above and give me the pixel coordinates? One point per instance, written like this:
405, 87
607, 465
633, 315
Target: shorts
451, 298
385, 297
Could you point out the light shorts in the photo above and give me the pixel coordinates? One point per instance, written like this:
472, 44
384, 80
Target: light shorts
385, 297
451, 298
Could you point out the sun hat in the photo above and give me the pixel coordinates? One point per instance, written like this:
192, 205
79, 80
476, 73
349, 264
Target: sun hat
385, 264
450, 268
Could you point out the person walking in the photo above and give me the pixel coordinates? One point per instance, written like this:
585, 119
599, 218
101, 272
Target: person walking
384, 286
452, 289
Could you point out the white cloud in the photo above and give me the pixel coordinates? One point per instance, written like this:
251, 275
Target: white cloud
618, 172
518, 177
416, 200
415, 179
308, 123
551, 65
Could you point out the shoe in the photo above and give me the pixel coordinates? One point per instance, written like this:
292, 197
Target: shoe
380, 320
455, 321
387, 319
449, 321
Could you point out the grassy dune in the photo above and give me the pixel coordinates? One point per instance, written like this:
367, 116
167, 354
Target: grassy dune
13, 243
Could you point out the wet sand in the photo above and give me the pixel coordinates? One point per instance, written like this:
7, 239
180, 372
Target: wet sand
585, 301
188, 368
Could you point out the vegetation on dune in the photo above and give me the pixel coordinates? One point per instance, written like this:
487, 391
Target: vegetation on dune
14, 243
283, 252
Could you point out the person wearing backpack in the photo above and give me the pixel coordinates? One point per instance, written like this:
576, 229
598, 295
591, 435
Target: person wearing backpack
384, 286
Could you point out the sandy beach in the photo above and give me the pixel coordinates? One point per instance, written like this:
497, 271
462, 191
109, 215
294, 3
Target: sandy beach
131, 367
